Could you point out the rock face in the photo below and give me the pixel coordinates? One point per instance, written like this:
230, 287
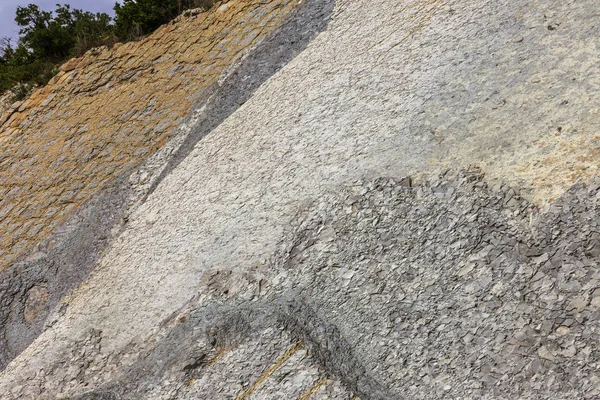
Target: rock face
106, 112
56, 227
447, 290
287, 254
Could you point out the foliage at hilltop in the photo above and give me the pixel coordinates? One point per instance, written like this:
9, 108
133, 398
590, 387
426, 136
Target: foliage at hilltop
139, 17
48, 38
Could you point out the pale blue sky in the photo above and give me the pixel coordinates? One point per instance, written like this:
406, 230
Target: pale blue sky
8, 28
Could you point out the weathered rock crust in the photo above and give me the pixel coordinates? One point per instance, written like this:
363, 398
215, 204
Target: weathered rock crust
446, 289
64, 259
458, 286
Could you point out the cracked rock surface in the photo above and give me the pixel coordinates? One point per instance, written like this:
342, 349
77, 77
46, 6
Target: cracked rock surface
454, 290
450, 289
308, 267
33, 285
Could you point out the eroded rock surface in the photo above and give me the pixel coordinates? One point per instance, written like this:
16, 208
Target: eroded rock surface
449, 289
303, 273
106, 112
265, 35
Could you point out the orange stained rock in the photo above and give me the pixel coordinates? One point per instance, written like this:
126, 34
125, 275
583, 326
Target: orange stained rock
270, 370
110, 109
310, 392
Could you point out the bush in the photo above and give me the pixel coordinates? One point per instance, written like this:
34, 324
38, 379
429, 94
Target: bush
137, 18
46, 40
92, 30
37, 72
21, 91
49, 38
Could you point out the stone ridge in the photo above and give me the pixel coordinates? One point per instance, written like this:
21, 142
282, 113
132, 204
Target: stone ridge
107, 111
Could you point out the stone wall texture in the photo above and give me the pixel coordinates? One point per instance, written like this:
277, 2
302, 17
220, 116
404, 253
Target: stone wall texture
107, 111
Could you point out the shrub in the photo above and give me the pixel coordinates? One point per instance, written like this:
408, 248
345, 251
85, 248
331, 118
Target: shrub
140, 17
48, 38
21, 91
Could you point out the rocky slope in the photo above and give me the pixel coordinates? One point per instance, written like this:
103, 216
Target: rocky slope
67, 188
287, 255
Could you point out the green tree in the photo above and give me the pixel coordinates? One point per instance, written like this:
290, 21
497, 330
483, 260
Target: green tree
48, 38
91, 30
53, 36
44, 36
6, 51
135, 18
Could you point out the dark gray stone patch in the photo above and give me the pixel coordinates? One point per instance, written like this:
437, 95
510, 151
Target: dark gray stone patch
452, 289
33, 286
185, 345
98, 395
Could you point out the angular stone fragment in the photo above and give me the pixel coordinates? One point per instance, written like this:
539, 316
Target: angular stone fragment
37, 297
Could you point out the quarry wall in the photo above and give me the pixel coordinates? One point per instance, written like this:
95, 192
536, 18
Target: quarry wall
106, 112
80, 153
382, 200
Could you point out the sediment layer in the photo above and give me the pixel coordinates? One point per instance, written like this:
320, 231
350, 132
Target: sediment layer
307, 266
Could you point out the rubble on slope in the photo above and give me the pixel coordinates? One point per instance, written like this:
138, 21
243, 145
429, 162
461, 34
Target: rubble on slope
448, 289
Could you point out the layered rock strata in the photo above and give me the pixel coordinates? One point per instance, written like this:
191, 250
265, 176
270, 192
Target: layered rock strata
304, 274
83, 151
106, 112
